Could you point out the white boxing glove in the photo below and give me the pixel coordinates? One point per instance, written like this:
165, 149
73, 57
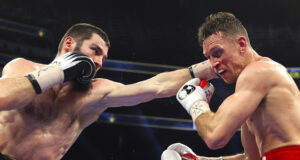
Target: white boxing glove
191, 94
178, 151
170, 155
180, 148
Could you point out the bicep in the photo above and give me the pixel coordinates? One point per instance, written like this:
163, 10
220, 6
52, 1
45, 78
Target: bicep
239, 106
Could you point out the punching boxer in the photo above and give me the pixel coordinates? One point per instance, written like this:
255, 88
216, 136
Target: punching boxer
45, 107
265, 104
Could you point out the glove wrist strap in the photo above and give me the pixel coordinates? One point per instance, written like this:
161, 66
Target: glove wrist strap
191, 72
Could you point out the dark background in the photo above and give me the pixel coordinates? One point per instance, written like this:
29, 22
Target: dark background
149, 31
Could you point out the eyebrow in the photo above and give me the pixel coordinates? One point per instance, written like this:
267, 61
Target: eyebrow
214, 49
98, 48
211, 50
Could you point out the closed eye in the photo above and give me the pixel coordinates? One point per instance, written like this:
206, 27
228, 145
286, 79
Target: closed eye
97, 50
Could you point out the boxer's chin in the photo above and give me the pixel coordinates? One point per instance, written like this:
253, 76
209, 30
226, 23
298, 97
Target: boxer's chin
81, 87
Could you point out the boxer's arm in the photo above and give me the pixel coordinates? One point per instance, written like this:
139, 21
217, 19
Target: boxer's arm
162, 85
165, 84
16, 90
216, 129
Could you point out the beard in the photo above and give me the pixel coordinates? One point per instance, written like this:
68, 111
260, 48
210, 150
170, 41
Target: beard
81, 87
75, 84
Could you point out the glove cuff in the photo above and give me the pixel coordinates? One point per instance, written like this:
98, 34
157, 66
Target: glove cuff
190, 101
46, 77
199, 108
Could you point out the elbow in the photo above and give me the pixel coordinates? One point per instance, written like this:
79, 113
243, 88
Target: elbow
213, 134
215, 141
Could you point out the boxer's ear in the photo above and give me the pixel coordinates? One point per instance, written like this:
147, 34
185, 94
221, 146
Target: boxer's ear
242, 44
69, 44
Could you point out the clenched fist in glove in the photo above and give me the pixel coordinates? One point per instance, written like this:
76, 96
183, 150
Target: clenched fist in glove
195, 96
76, 66
179, 151
70, 66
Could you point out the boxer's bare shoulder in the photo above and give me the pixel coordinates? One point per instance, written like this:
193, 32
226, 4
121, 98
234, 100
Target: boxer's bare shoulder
19, 66
263, 69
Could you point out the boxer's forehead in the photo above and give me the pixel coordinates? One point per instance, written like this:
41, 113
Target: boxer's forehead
97, 43
97, 40
211, 42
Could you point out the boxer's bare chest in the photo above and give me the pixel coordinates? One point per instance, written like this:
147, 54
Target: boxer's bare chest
57, 104
50, 121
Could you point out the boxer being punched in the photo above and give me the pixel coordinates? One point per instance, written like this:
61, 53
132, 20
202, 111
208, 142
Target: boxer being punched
44, 107
265, 104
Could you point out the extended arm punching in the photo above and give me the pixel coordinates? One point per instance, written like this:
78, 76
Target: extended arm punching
162, 85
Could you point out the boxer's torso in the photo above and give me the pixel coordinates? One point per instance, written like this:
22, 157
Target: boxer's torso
276, 121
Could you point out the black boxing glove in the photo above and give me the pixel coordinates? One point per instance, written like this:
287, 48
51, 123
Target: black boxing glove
76, 66
70, 66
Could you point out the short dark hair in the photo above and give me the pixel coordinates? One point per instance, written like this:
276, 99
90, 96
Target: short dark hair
81, 32
225, 22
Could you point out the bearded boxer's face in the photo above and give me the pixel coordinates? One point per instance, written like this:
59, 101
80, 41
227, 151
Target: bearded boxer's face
223, 53
96, 48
